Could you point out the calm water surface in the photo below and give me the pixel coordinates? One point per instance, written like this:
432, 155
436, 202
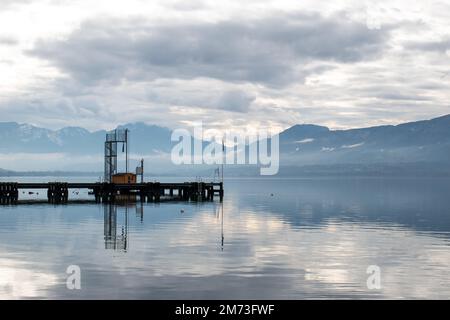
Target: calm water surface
274, 239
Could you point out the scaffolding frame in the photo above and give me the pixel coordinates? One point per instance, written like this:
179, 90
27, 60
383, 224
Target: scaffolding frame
113, 138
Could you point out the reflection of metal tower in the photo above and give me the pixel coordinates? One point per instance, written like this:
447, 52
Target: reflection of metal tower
110, 226
112, 239
219, 214
112, 139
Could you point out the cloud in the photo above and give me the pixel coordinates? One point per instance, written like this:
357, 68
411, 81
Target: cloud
238, 101
273, 51
442, 45
403, 97
191, 5
8, 41
7, 4
231, 64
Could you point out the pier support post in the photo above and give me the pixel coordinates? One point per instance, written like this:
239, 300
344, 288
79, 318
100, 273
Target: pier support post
203, 191
157, 191
9, 193
211, 193
57, 192
147, 192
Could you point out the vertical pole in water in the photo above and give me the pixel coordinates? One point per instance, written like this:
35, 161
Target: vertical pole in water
223, 156
223, 238
142, 172
126, 150
125, 234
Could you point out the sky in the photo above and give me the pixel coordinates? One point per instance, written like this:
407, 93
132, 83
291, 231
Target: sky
231, 64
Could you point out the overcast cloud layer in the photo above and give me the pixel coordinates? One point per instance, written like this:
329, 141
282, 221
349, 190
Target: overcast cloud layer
230, 64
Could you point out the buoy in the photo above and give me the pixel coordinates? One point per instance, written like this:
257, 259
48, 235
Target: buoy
182, 211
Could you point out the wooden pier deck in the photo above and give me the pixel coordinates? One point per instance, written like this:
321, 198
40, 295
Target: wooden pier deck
58, 192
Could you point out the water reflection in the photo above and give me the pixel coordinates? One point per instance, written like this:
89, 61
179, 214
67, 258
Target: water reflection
116, 221
219, 213
113, 240
311, 239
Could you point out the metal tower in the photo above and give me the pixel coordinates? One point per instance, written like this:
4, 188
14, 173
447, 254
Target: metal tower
112, 139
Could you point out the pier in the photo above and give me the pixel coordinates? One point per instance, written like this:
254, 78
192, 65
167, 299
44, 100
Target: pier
117, 185
58, 192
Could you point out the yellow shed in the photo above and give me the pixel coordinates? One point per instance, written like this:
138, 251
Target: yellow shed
124, 178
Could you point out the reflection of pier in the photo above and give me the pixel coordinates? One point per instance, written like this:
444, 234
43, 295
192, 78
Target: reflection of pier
116, 222
57, 192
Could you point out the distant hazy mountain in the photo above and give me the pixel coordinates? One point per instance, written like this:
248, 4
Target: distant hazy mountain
422, 141
314, 148
16, 137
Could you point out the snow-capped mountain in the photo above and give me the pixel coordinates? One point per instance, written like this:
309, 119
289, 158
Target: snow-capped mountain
301, 145
422, 141
26, 138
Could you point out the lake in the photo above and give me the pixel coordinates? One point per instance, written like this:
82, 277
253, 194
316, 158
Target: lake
269, 239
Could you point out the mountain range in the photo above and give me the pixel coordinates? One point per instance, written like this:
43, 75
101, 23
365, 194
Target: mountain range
421, 141
418, 145
16, 137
